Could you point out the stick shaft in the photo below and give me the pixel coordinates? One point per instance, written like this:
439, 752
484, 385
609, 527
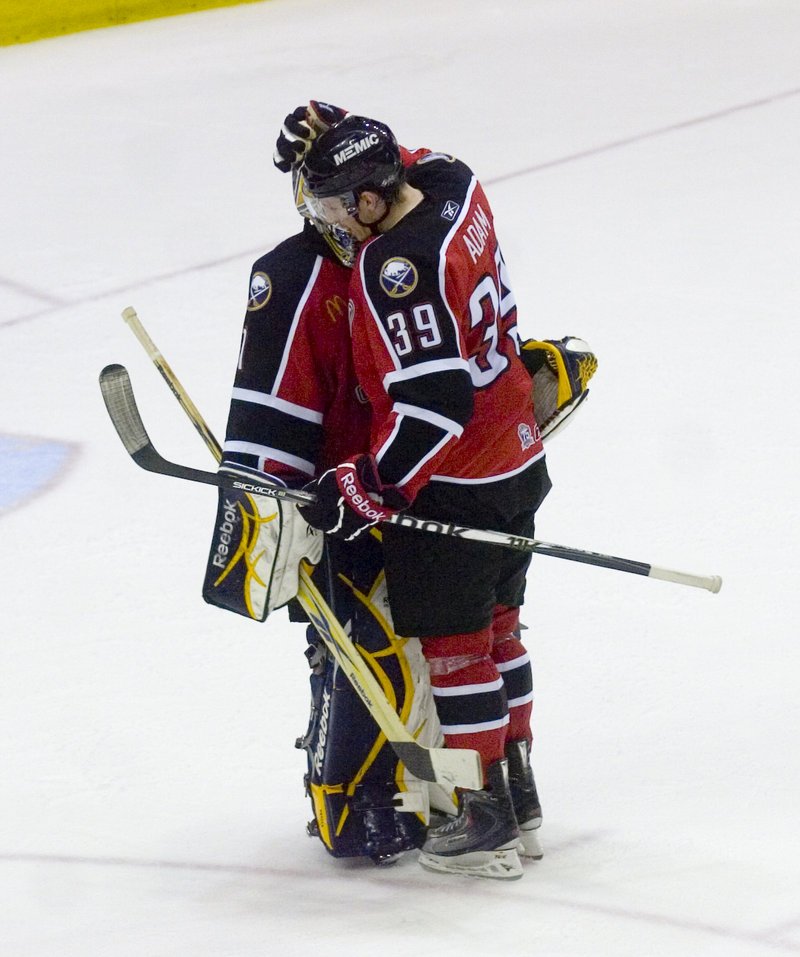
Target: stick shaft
711, 583
129, 315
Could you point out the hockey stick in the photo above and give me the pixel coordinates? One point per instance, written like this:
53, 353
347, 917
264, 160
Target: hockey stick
449, 768
129, 315
115, 384
118, 393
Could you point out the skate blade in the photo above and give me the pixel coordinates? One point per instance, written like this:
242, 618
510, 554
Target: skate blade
530, 845
500, 865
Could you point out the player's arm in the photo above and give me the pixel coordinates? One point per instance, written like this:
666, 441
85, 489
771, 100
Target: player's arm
417, 344
274, 427
275, 420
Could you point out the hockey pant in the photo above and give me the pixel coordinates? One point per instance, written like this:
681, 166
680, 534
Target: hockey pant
354, 780
482, 685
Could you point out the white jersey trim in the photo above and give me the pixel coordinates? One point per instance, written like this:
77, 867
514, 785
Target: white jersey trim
417, 465
475, 728
458, 690
264, 452
446, 246
387, 342
517, 662
488, 478
265, 398
295, 322
425, 368
426, 415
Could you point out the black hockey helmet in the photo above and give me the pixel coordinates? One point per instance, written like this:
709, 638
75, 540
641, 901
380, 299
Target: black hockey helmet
355, 155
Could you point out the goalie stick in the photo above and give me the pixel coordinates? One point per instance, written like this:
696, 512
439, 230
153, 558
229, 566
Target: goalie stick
121, 404
449, 768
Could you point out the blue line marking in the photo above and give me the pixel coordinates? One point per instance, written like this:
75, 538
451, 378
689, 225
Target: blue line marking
27, 465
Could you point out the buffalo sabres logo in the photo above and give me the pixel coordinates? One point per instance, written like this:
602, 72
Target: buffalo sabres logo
260, 291
398, 277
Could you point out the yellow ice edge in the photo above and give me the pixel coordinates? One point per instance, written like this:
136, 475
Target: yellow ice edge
23, 20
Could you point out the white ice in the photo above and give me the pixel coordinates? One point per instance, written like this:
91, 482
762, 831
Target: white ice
642, 162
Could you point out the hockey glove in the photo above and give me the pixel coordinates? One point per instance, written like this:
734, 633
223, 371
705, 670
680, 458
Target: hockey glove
258, 544
560, 370
351, 498
300, 128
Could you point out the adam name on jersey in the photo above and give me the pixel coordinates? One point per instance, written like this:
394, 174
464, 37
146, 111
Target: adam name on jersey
477, 233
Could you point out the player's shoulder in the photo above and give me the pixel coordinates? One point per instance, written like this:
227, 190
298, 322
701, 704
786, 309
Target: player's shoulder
281, 275
411, 244
298, 250
436, 172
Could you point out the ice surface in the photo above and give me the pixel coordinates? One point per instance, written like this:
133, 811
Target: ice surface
641, 159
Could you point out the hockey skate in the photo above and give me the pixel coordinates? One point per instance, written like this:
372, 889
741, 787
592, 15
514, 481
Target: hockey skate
527, 808
482, 839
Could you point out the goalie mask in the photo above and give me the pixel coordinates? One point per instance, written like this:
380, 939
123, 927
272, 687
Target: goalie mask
343, 245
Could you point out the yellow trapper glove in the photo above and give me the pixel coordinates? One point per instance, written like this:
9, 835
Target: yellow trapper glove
560, 370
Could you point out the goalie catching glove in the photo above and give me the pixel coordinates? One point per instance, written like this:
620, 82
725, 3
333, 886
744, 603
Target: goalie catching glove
300, 128
560, 370
351, 498
258, 544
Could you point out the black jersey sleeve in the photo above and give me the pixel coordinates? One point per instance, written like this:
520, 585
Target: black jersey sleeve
417, 346
269, 427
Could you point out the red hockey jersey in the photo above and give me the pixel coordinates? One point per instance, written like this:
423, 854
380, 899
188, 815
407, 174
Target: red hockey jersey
296, 408
435, 343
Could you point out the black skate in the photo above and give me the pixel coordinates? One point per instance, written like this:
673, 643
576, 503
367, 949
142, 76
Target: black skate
526, 801
481, 840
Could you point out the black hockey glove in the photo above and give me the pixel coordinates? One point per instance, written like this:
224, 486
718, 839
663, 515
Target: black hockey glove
351, 498
300, 128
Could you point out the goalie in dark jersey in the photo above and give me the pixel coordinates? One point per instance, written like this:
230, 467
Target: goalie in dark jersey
296, 410
436, 350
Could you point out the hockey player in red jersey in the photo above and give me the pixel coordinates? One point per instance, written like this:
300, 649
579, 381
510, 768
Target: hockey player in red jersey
436, 351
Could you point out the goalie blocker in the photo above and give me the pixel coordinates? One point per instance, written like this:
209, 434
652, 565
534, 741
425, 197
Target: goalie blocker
256, 550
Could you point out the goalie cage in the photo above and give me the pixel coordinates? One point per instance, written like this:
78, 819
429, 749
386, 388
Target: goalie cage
365, 802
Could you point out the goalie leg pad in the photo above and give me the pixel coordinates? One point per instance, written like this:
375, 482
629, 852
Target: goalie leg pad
365, 803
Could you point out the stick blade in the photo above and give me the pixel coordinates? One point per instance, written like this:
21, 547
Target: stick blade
115, 385
451, 768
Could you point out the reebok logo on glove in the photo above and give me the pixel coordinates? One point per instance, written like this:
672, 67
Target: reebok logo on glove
357, 498
350, 498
